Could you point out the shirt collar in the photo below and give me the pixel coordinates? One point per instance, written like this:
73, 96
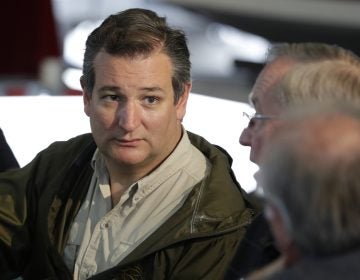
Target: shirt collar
178, 159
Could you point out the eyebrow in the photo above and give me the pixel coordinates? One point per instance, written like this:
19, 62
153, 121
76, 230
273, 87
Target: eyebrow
118, 89
152, 89
110, 88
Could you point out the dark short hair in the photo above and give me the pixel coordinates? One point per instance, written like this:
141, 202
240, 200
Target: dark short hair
135, 32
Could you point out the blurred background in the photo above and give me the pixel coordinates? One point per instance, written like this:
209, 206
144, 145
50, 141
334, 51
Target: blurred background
42, 45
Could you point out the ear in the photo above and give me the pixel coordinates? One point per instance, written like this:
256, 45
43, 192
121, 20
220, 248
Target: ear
86, 97
284, 241
182, 102
278, 227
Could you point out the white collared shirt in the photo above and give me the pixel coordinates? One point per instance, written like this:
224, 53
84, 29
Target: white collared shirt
101, 236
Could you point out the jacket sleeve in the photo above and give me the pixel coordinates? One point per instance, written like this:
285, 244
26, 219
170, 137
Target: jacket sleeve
8, 160
256, 250
205, 258
14, 232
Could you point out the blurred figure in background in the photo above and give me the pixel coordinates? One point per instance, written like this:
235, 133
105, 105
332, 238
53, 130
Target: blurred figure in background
340, 81
270, 103
7, 157
35, 28
31, 58
310, 180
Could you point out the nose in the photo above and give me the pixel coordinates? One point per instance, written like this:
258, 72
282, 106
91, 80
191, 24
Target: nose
245, 137
128, 116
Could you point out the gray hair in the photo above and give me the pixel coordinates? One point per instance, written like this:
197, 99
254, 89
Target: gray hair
311, 173
324, 81
310, 52
305, 55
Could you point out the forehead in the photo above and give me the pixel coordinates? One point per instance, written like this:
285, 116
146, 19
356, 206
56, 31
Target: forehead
156, 55
263, 93
154, 66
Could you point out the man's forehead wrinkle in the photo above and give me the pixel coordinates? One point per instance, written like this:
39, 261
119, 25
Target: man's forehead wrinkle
267, 80
272, 74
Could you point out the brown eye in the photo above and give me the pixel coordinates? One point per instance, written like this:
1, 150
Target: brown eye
151, 100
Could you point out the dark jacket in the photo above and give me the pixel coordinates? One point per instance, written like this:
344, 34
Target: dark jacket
257, 248
343, 266
7, 158
39, 203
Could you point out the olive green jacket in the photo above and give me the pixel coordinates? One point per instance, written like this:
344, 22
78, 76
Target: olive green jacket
39, 202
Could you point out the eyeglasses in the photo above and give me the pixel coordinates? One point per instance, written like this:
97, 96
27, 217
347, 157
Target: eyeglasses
256, 116
258, 120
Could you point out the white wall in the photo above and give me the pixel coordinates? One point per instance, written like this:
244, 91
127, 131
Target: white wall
31, 123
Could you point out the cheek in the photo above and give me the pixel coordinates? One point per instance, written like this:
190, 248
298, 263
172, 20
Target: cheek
258, 140
105, 118
159, 124
160, 118
270, 130
263, 136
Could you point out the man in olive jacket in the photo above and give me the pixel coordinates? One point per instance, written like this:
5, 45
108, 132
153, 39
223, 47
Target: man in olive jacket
44, 197
139, 197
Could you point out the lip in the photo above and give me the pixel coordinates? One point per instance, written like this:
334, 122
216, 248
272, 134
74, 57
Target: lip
127, 143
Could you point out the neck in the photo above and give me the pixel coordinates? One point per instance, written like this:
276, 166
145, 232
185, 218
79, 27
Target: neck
117, 190
291, 255
121, 179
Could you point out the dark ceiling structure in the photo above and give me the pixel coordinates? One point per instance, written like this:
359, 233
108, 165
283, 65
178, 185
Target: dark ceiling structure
330, 21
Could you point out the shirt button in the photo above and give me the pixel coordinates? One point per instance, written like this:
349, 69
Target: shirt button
104, 225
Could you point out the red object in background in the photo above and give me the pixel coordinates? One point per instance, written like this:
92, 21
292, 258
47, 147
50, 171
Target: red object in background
28, 35
15, 91
73, 92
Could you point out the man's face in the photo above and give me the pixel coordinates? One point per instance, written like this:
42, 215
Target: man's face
133, 118
267, 107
